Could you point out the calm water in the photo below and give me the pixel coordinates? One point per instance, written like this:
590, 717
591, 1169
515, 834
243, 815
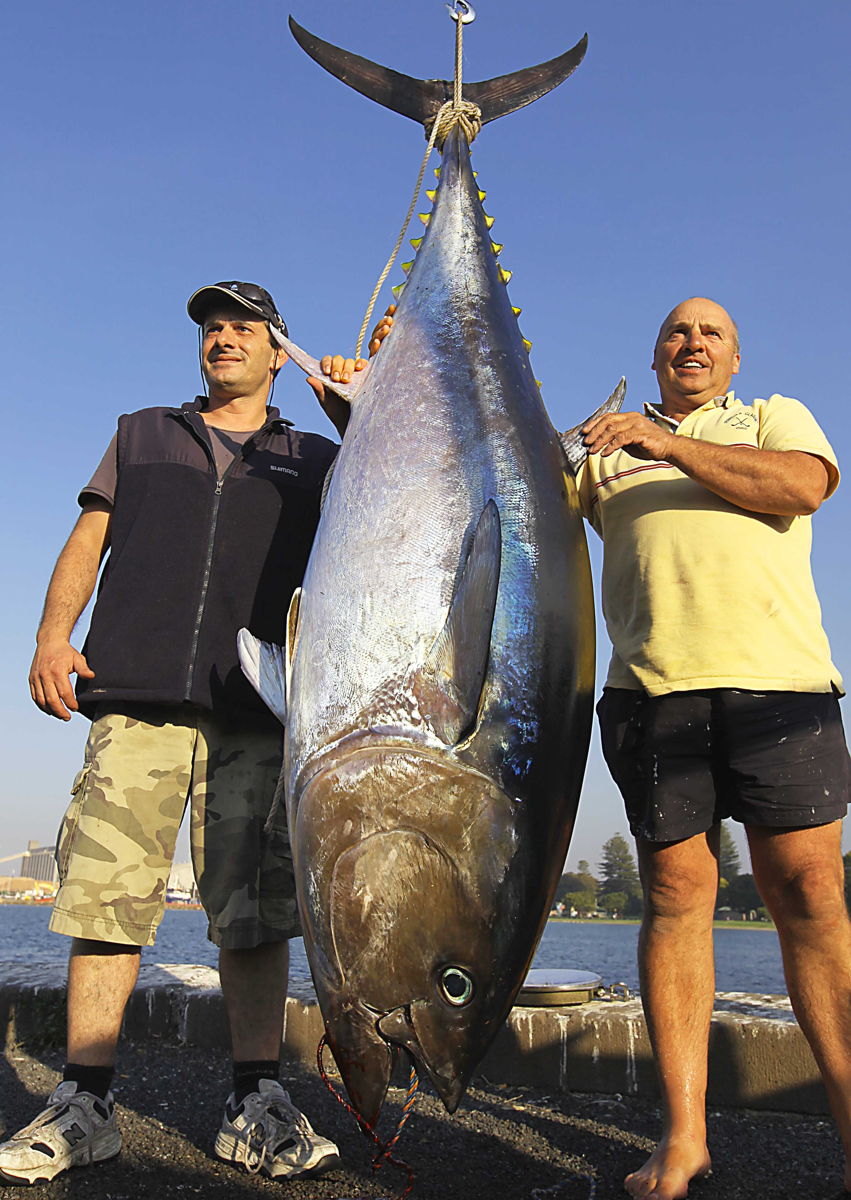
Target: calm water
745, 960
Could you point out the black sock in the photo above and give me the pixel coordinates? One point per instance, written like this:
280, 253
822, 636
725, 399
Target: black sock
247, 1076
96, 1080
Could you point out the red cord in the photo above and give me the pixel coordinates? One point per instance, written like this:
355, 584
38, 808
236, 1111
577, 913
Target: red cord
382, 1153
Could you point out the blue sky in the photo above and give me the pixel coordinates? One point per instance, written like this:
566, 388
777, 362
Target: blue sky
148, 149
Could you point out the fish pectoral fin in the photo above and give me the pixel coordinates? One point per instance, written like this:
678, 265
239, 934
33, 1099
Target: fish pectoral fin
312, 366
292, 633
573, 440
264, 667
454, 670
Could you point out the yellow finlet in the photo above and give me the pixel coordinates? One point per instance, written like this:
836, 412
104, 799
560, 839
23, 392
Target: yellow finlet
431, 194
406, 267
505, 275
514, 309
482, 195
527, 344
540, 385
398, 289
496, 247
416, 242
437, 172
489, 221
475, 174
424, 217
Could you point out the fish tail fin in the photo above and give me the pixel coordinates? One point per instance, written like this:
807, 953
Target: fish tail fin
264, 667
573, 440
420, 99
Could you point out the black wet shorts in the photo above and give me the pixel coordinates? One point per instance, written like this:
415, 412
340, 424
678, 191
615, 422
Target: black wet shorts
686, 760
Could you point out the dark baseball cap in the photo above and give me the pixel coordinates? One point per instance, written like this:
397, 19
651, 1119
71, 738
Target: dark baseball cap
249, 295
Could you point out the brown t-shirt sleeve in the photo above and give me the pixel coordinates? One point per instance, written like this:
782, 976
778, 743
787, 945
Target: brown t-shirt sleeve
102, 484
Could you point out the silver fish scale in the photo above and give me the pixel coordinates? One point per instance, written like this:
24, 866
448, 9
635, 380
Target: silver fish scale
449, 418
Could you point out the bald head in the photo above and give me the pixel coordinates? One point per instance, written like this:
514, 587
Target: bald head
696, 355
710, 307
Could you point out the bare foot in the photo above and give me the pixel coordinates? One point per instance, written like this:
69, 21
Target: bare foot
669, 1169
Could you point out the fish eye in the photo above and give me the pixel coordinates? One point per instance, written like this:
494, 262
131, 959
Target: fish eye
456, 986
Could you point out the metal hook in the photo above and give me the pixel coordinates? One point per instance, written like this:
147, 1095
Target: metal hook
461, 10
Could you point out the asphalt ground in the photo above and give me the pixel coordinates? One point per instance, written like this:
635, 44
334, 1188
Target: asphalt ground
503, 1142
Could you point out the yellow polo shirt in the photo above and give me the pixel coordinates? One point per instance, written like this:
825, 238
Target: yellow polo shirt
697, 592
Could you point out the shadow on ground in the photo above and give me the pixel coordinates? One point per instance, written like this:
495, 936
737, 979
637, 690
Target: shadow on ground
503, 1142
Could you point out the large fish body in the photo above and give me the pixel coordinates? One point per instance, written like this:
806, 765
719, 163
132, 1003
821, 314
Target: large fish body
441, 676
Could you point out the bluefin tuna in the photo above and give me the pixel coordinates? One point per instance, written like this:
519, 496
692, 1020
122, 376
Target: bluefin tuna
438, 678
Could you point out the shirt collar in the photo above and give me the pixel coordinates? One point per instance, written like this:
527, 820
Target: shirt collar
656, 414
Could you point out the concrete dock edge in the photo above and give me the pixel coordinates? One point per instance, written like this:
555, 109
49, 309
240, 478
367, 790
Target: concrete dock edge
758, 1056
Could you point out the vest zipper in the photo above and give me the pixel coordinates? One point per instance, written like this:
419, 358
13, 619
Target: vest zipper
208, 562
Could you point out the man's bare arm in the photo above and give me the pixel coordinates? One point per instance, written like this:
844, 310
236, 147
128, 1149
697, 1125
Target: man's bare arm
68, 593
785, 482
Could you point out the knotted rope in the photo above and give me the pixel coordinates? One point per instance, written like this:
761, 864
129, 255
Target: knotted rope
456, 111
382, 1151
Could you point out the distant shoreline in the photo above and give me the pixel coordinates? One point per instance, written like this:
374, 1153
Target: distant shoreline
48, 903
765, 926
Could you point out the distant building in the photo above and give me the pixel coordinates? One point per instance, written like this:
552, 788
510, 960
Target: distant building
40, 863
181, 883
24, 887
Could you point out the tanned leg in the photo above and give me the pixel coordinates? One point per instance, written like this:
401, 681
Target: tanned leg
800, 877
254, 983
101, 976
677, 973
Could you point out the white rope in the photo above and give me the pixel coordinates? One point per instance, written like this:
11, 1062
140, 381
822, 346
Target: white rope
456, 111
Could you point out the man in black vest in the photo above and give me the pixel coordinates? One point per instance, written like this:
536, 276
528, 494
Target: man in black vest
208, 512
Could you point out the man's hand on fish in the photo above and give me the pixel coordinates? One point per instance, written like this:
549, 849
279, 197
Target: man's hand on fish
341, 370
628, 431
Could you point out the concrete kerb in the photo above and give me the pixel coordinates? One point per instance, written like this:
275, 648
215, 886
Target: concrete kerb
758, 1056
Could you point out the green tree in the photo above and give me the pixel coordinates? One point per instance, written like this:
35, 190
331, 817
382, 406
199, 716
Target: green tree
617, 868
728, 861
741, 894
615, 902
583, 870
583, 902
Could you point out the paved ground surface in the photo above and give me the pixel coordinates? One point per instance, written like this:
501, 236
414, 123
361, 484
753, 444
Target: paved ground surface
503, 1142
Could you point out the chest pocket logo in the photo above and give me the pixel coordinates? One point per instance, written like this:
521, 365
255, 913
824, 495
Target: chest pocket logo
741, 420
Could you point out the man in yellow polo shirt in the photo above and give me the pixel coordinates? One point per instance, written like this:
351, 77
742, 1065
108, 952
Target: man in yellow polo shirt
721, 701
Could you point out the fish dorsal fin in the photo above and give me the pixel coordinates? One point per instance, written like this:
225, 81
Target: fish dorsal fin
264, 667
454, 671
573, 440
292, 631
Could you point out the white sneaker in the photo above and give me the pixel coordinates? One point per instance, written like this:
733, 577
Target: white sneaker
267, 1133
74, 1130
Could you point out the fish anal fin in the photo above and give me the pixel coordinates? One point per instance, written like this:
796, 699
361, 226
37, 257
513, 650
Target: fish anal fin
453, 675
264, 667
573, 440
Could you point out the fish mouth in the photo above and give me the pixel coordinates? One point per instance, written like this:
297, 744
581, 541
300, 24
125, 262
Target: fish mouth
398, 1028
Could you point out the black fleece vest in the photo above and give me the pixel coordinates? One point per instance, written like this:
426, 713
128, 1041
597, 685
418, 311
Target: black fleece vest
194, 558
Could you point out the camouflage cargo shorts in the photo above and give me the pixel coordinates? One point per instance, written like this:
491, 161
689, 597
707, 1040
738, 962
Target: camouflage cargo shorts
143, 764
